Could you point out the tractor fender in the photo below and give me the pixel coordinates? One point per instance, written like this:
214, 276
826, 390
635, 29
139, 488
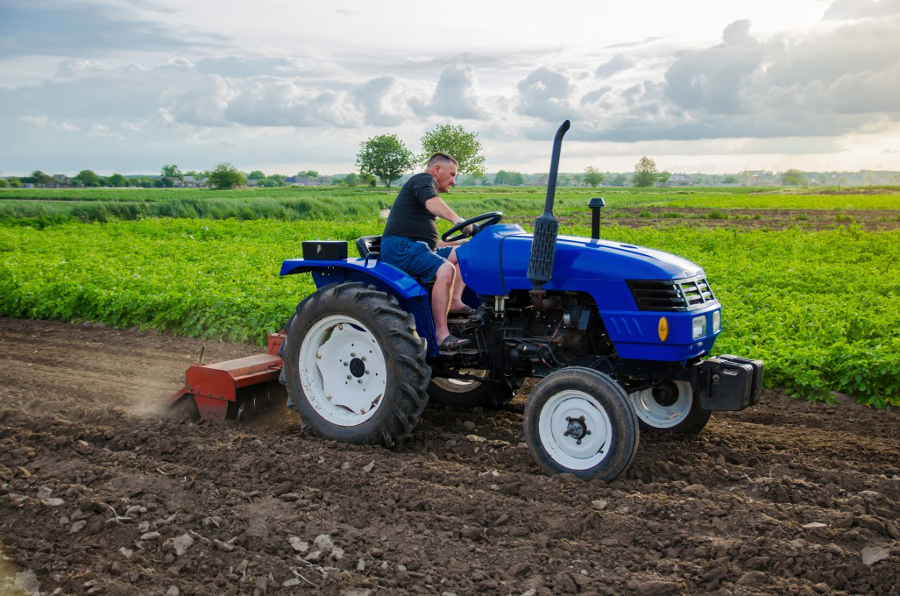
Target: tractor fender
413, 298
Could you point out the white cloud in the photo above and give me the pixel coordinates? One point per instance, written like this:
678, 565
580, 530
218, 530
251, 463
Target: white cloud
860, 9
42, 121
456, 95
384, 101
279, 102
544, 94
617, 63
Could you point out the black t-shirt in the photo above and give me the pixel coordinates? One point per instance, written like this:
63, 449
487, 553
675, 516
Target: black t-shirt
409, 217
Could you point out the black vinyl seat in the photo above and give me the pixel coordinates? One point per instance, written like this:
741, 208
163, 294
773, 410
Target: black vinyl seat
369, 247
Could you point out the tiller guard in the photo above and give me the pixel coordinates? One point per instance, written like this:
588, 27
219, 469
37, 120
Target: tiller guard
218, 389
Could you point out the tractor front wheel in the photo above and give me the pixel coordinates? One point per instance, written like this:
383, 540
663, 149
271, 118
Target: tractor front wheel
671, 407
354, 366
578, 421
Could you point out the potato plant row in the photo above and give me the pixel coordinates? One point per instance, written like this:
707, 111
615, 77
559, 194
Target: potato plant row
819, 307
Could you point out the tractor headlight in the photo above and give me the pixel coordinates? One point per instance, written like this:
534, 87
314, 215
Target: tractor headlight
717, 321
698, 327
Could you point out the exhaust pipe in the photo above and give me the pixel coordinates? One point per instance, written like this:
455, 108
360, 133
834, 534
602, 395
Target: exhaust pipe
543, 246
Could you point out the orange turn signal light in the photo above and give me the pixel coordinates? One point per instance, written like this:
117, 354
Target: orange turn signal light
663, 329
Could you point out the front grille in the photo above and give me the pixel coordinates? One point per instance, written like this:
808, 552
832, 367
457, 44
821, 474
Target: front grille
674, 295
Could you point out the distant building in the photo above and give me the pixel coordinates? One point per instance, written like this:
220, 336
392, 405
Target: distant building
678, 180
307, 181
194, 181
59, 181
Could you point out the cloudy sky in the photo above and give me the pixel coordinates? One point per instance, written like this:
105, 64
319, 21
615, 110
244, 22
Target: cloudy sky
281, 85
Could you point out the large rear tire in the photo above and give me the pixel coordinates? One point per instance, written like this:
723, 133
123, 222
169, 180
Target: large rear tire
354, 366
468, 393
669, 407
578, 421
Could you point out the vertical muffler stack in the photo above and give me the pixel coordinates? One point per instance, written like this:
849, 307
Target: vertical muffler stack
543, 246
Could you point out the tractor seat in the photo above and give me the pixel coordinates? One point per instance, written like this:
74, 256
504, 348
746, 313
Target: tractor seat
369, 247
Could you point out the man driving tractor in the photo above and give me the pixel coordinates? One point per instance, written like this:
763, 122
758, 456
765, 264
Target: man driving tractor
411, 243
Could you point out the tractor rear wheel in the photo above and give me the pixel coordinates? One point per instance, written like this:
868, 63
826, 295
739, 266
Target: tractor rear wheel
469, 393
669, 407
354, 366
578, 421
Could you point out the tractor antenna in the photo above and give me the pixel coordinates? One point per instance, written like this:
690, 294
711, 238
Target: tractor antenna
543, 246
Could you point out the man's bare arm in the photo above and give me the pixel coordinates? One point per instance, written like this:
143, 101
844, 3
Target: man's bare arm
437, 206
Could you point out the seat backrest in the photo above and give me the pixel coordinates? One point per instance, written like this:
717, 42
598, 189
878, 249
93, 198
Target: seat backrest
369, 247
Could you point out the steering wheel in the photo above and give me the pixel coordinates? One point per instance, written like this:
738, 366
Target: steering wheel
489, 219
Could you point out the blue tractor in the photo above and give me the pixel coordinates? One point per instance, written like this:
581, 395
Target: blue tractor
617, 335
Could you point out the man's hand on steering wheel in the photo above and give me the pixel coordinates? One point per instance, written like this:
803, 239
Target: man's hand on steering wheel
467, 228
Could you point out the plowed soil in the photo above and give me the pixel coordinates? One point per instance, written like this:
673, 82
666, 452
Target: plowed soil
101, 494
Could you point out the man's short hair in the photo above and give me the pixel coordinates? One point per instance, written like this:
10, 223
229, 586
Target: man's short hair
440, 159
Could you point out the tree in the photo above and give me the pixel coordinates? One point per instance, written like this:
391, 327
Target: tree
4, 183
793, 177
619, 180
172, 171
87, 178
41, 178
118, 180
273, 180
593, 176
664, 177
255, 175
384, 156
225, 176
308, 173
457, 142
351, 179
645, 173
509, 178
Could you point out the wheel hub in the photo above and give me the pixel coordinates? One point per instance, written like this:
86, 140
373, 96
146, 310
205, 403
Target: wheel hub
357, 367
576, 429
666, 394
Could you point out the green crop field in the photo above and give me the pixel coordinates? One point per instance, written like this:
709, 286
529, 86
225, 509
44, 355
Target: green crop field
297, 203
820, 307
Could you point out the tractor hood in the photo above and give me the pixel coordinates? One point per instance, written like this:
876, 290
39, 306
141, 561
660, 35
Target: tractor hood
599, 267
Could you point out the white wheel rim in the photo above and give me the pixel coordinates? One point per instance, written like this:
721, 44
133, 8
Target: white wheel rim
460, 385
575, 430
343, 371
657, 415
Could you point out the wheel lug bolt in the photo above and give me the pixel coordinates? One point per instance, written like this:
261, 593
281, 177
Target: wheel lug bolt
566, 434
348, 376
363, 358
359, 381
346, 364
367, 372
353, 354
